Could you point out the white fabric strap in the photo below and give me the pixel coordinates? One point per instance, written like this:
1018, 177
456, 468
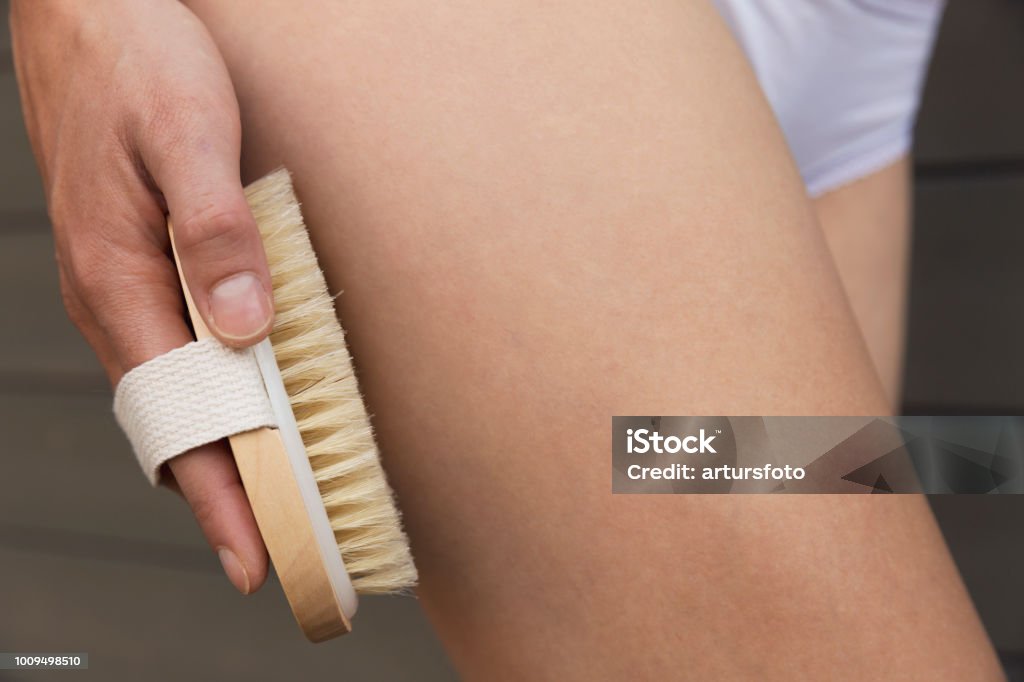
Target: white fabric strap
191, 396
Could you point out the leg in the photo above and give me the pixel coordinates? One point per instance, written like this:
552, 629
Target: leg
545, 214
867, 225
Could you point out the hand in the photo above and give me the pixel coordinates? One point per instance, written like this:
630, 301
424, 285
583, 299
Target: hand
132, 115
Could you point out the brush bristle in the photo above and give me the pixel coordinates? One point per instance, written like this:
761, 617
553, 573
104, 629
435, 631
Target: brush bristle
309, 345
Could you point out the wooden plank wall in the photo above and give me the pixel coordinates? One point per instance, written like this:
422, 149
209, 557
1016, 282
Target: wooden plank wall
91, 559
967, 288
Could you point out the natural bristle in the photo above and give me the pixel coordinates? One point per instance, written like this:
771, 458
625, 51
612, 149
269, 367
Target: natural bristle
309, 345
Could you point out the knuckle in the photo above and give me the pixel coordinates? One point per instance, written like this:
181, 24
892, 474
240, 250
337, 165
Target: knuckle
215, 232
204, 507
205, 501
73, 306
77, 275
86, 274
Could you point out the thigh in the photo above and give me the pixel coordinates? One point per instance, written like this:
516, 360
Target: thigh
545, 214
551, 176
867, 226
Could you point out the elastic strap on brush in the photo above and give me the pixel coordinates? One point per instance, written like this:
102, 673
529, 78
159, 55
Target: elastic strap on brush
191, 396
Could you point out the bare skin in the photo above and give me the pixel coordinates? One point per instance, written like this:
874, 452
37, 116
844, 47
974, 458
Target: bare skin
867, 225
542, 215
133, 119
534, 234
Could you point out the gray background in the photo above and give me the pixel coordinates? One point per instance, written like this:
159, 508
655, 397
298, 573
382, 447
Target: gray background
93, 560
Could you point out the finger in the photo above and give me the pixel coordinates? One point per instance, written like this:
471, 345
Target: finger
85, 322
136, 328
122, 290
209, 482
132, 302
215, 234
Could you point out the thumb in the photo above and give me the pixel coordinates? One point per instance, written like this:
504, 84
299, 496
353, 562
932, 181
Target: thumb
218, 243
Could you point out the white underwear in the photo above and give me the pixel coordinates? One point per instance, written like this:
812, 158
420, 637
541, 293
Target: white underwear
844, 77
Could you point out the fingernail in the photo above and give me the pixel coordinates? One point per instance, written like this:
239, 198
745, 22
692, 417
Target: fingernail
234, 569
240, 307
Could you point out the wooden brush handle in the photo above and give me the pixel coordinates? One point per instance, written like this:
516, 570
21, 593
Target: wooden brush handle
281, 515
